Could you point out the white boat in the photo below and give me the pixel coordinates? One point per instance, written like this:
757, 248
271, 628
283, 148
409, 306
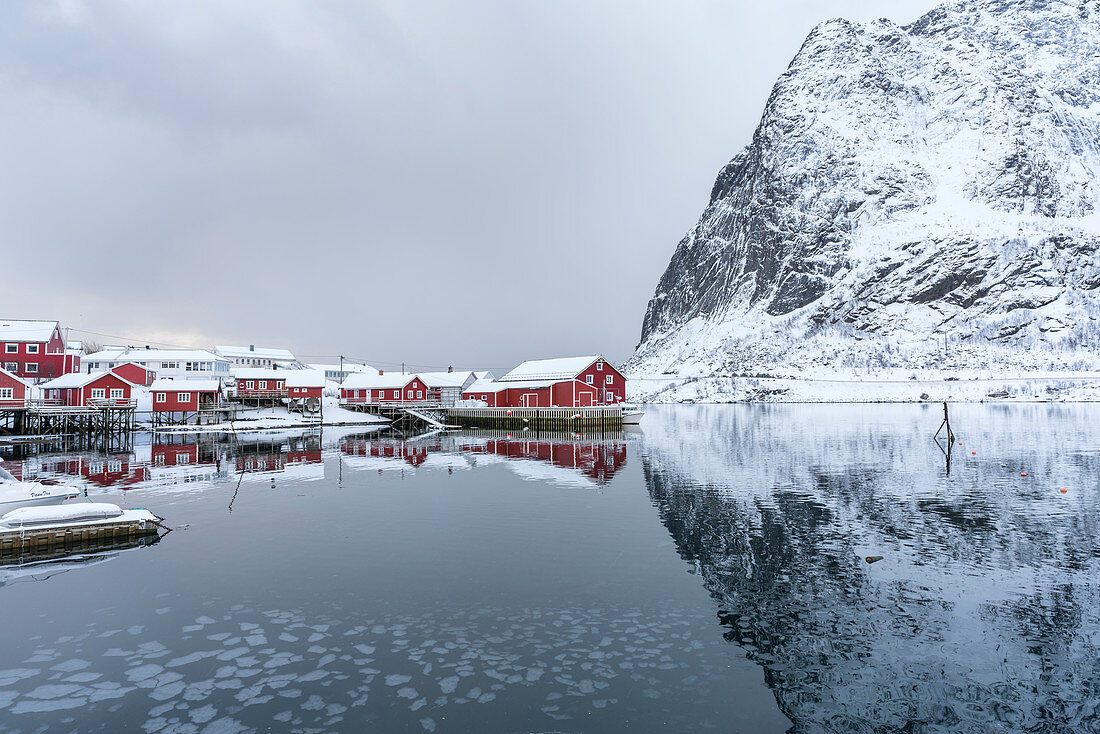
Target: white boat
14, 493
632, 414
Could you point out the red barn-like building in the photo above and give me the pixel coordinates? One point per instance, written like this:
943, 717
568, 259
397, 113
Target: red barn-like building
96, 388
592, 371
35, 350
305, 384
135, 373
534, 394
13, 391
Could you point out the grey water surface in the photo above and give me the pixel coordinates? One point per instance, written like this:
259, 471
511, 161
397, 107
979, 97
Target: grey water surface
706, 573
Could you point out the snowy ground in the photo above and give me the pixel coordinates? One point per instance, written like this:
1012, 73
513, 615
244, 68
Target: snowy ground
279, 417
884, 386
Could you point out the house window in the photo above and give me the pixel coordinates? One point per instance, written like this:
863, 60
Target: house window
588, 379
162, 397
279, 385
32, 367
184, 397
608, 380
410, 394
97, 393
484, 397
263, 384
419, 394
7, 393
248, 385
599, 366
11, 366
11, 348
32, 349
116, 393
396, 394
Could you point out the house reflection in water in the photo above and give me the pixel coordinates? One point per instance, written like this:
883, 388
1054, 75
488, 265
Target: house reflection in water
561, 457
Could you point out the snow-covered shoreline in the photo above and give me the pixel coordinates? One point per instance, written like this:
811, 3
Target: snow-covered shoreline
854, 388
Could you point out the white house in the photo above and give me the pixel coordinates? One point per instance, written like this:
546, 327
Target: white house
339, 373
177, 364
253, 356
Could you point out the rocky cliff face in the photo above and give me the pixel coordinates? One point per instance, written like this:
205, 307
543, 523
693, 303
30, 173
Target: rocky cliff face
904, 182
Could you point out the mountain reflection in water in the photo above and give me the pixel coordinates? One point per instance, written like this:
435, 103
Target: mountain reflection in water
983, 614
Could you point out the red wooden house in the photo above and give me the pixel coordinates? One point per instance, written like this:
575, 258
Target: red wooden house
592, 371
96, 388
135, 373
13, 391
534, 394
254, 383
385, 388
184, 396
35, 350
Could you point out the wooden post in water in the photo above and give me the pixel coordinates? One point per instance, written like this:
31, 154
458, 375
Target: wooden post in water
947, 423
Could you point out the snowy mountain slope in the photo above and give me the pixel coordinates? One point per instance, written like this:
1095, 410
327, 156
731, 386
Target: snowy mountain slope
904, 182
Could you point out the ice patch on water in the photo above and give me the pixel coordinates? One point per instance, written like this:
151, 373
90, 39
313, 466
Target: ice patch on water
406, 692
396, 679
448, 684
204, 620
428, 724
224, 726
28, 706
71, 666
14, 675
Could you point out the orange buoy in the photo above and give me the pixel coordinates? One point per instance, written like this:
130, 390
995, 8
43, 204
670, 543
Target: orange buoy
1062, 490
1023, 474
973, 453
873, 559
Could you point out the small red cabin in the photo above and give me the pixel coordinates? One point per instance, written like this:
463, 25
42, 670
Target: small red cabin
13, 391
96, 388
305, 384
261, 384
398, 388
183, 396
135, 373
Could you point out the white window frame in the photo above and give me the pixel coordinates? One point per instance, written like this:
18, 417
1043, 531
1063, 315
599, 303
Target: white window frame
249, 385
32, 349
11, 366
608, 380
396, 394
262, 385
31, 367
409, 393
588, 379
162, 397
101, 393
184, 397
599, 366
7, 393
419, 394
116, 393
11, 349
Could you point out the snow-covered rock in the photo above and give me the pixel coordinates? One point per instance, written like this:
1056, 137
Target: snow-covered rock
904, 183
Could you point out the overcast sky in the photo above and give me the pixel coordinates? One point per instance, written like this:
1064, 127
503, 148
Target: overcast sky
467, 183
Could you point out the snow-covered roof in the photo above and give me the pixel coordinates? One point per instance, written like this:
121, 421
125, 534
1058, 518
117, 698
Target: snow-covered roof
260, 373
483, 375
486, 386
446, 379
169, 385
26, 330
361, 381
349, 367
235, 352
141, 355
562, 368
304, 378
79, 379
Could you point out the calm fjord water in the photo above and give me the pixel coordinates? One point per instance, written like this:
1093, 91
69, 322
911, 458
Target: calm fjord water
706, 573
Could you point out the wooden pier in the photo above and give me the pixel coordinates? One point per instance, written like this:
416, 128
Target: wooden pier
109, 423
574, 420
407, 416
34, 545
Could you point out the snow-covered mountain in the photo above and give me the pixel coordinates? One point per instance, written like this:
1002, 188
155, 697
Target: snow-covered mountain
904, 182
